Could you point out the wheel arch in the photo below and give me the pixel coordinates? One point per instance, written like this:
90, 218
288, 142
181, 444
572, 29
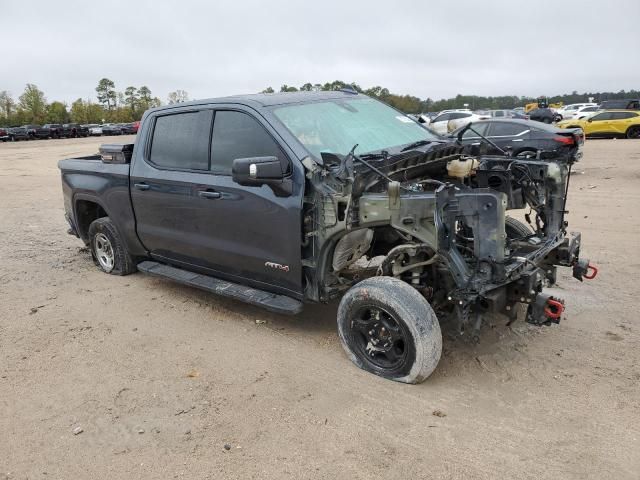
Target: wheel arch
86, 209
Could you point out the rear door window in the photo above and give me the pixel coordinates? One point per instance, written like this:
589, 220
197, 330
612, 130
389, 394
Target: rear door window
504, 129
239, 135
181, 140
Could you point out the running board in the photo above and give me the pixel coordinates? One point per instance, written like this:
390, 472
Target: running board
269, 301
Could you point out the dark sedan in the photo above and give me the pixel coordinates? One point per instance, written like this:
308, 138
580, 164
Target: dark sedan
544, 115
111, 130
522, 138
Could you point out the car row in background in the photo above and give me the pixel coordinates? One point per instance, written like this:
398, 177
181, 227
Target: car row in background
65, 130
114, 129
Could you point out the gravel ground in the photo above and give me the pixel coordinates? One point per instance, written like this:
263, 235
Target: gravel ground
136, 377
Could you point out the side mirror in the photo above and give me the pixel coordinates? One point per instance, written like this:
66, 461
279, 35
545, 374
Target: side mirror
589, 120
257, 171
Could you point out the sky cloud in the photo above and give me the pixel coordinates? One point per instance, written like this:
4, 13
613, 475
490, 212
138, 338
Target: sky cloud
422, 48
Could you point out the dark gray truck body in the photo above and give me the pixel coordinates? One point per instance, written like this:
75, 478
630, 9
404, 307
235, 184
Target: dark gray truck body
443, 235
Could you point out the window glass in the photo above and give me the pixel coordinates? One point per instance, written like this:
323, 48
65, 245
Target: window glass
622, 115
181, 140
498, 113
480, 127
503, 129
442, 118
238, 135
337, 125
589, 109
601, 116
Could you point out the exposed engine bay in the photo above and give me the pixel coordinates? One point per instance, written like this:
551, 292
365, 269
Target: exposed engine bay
437, 220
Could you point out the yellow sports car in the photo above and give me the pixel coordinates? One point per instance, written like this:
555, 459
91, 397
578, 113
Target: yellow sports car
608, 123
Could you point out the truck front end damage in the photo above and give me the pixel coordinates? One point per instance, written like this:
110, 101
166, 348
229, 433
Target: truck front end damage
438, 221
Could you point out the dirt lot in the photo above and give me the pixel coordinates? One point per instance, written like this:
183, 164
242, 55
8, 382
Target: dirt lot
160, 377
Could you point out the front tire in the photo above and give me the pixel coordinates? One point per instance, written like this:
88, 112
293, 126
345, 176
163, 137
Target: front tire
387, 328
107, 248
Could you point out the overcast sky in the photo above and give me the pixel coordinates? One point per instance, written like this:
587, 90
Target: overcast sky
423, 48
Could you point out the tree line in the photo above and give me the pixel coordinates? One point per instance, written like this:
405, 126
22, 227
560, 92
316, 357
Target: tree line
128, 105
413, 104
112, 105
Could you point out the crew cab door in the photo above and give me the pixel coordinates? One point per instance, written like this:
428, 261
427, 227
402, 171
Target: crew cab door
189, 211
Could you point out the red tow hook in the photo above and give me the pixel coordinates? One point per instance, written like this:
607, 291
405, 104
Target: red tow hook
594, 271
553, 309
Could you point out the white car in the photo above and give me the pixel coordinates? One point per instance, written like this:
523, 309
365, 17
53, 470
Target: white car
584, 112
449, 120
95, 130
569, 111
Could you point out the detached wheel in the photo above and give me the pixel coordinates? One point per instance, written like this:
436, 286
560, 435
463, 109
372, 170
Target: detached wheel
107, 248
516, 229
527, 154
388, 328
633, 132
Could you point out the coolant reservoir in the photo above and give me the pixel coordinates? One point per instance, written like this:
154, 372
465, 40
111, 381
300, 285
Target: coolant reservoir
462, 168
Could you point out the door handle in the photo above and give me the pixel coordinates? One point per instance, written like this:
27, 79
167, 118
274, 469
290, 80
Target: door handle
142, 186
209, 194
518, 140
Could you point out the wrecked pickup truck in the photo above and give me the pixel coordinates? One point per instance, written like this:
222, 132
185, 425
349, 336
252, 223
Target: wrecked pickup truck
285, 199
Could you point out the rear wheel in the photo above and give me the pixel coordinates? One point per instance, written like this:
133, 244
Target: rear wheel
107, 248
389, 329
633, 132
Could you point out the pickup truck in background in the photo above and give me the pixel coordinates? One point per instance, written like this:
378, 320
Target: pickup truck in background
36, 131
55, 130
282, 199
73, 130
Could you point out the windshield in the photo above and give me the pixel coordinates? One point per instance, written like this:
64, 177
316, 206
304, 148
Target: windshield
335, 126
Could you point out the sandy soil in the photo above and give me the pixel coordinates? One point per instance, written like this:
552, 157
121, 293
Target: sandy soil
160, 377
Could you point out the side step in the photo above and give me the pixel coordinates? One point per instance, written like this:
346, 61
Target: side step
269, 301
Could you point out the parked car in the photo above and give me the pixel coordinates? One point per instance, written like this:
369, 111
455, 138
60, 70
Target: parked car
95, 130
519, 110
129, 129
36, 131
4, 134
609, 123
544, 115
55, 130
111, 129
329, 178
501, 114
18, 133
522, 138
569, 111
624, 104
584, 112
73, 130
449, 121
